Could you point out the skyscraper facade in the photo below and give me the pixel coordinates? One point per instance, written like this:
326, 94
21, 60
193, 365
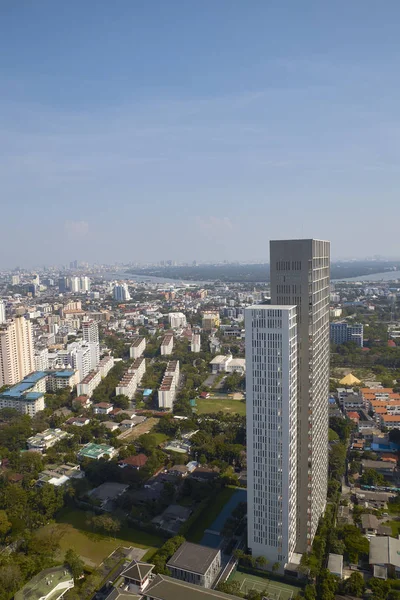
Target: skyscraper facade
16, 351
300, 276
271, 415
2, 312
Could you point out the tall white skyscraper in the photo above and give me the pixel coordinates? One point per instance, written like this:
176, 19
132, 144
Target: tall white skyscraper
16, 351
121, 292
2, 312
271, 411
300, 275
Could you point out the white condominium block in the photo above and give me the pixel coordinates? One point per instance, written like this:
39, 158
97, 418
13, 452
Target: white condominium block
271, 414
167, 344
138, 347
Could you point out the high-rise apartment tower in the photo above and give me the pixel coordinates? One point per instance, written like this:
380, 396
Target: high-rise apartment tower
271, 414
16, 351
300, 276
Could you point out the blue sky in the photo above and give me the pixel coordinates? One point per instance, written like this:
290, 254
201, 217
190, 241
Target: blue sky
174, 129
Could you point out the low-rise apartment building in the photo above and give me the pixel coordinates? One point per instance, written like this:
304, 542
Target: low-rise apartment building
167, 344
167, 390
87, 386
139, 366
105, 365
127, 386
46, 439
228, 364
138, 347
58, 380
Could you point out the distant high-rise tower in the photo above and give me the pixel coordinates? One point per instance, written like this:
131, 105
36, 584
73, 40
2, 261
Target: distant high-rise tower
300, 276
271, 414
2, 312
16, 351
91, 336
121, 292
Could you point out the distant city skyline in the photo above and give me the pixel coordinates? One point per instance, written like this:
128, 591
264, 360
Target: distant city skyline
197, 130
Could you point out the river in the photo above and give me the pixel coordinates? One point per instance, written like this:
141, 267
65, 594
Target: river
375, 277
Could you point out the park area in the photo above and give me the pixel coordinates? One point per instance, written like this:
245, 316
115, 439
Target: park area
273, 590
95, 547
226, 403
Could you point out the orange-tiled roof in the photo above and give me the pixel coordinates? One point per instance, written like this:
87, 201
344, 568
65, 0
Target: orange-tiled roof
376, 391
391, 418
353, 415
381, 410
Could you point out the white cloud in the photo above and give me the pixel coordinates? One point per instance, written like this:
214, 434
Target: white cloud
76, 229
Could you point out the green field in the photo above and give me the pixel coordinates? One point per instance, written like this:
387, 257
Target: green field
209, 513
216, 404
95, 547
395, 525
274, 590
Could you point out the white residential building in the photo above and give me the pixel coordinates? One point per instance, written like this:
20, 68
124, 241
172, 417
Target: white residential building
271, 400
26, 396
227, 364
90, 331
195, 344
138, 347
45, 440
177, 320
2, 312
127, 386
87, 386
105, 365
167, 344
140, 367
58, 380
41, 359
167, 390
16, 351
81, 356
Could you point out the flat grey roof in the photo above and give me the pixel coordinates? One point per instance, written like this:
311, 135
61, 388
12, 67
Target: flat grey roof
335, 563
193, 557
167, 588
384, 551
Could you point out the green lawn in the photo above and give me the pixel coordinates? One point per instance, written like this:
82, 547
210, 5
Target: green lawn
216, 404
160, 437
393, 508
209, 513
275, 589
94, 547
395, 525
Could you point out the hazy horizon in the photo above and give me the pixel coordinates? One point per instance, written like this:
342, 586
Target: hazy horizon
180, 131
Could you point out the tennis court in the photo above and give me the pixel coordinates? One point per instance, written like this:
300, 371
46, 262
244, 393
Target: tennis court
273, 590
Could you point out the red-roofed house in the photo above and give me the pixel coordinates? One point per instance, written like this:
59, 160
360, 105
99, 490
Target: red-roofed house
135, 462
353, 416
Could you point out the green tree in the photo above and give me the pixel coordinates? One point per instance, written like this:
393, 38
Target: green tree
5, 524
310, 592
229, 587
75, 563
354, 585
